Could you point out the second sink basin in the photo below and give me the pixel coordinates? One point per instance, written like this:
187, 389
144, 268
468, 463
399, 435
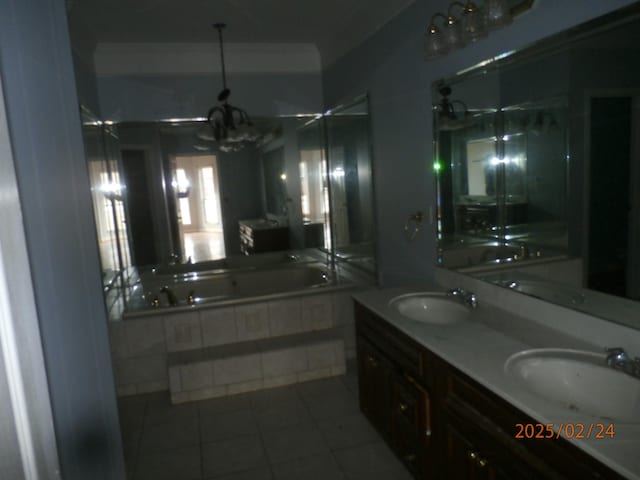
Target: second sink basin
431, 308
579, 381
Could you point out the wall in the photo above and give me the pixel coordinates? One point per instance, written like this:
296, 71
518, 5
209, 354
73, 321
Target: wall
158, 97
240, 188
390, 67
87, 84
45, 131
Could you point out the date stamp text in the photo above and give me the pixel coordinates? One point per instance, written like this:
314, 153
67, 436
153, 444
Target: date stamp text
566, 430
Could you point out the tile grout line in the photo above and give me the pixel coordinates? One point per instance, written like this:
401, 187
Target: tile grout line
200, 441
331, 451
262, 441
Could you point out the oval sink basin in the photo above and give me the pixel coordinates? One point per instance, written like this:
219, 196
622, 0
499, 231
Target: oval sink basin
579, 381
431, 308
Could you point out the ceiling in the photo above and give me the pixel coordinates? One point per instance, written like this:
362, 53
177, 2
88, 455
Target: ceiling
333, 26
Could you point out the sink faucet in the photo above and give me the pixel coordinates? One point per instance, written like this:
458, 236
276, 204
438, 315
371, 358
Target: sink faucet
171, 297
465, 297
618, 359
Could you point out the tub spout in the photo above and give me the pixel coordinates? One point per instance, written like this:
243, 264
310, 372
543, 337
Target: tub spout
171, 297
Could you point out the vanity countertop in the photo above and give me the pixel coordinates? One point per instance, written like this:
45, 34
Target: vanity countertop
481, 347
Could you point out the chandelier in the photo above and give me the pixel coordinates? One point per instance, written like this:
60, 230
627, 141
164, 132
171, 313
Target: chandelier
231, 126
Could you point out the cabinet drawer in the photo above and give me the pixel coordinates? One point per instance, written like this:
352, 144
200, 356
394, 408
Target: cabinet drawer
404, 352
489, 415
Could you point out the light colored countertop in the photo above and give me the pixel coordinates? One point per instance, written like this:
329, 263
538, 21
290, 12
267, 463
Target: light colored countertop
480, 348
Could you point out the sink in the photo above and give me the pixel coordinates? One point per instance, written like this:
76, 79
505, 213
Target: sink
579, 381
431, 308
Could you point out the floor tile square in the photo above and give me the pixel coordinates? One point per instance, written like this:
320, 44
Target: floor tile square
253, 474
373, 461
178, 464
232, 403
283, 414
167, 436
332, 405
262, 399
228, 425
348, 431
294, 442
233, 456
322, 387
318, 467
160, 410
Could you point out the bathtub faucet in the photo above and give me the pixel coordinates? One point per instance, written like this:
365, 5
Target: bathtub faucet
174, 259
171, 297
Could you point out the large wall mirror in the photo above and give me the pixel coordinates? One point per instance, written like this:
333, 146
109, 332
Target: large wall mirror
167, 199
538, 168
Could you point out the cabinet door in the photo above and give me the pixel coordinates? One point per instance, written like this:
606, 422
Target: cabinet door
374, 376
411, 425
472, 456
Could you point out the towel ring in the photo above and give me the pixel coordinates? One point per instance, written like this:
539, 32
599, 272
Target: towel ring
413, 225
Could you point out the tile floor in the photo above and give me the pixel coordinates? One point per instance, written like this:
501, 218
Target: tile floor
308, 431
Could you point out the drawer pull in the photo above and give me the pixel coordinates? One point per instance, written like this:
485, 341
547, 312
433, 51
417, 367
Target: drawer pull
410, 457
481, 462
403, 407
427, 432
372, 361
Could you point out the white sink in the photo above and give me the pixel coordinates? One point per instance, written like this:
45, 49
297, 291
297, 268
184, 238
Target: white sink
580, 381
431, 308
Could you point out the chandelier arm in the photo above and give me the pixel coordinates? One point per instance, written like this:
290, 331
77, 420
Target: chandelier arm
213, 111
244, 116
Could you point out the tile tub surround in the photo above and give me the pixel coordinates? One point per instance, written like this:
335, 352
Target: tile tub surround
140, 346
504, 324
255, 365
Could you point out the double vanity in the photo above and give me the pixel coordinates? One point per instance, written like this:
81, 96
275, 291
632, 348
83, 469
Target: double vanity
461, 386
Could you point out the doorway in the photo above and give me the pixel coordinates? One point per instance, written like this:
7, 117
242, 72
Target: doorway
613, 195
199, 213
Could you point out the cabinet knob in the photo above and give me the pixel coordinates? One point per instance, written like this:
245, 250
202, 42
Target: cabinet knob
472, 455
410, 457
482, 463
403, 407
427, 432
373, 361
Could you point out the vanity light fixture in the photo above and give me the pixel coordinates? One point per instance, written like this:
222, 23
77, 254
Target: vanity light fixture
473, 22
231, 126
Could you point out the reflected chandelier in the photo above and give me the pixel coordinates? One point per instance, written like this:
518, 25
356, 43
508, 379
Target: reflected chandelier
231, 126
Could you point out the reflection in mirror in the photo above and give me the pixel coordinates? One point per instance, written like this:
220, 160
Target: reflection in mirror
351, 184
107, 194
169, 203
537, 168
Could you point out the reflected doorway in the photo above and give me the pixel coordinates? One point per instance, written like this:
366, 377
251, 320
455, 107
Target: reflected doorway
199, 212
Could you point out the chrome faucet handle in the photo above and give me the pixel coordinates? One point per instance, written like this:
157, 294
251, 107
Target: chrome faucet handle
454, 292
472, 300
616, 356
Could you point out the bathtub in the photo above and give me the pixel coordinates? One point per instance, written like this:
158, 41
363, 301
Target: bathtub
201, 289
235, 262
493, 255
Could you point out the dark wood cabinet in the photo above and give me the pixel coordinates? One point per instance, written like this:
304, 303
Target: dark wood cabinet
393, 394
262, 239
444, 425
374, 378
